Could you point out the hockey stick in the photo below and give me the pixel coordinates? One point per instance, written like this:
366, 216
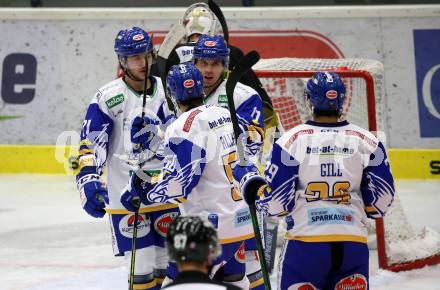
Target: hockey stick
173, 37
218, 12
240, 69
136, 202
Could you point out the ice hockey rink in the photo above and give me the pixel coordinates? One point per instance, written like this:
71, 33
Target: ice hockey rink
48, 242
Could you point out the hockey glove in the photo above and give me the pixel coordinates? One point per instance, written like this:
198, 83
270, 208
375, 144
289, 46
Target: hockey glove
143, 133
248, 181
93, 194
134, 192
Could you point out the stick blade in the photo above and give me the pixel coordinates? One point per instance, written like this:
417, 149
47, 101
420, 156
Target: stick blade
173, 37
221, 18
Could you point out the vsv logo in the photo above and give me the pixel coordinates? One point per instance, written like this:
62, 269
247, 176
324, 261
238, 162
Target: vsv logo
427, 60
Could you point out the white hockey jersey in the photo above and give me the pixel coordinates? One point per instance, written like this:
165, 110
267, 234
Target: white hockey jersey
327, 179
199, 151
249, 109
106, 134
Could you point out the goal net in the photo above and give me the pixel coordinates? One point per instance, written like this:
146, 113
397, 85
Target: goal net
284, 79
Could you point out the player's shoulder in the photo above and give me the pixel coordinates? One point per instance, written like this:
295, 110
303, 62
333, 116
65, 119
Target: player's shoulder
111, 93
244, 90
362, 134
158, 82
114, 86
295, 133
199, 118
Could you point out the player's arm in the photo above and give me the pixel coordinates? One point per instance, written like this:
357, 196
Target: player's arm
377, 185
93, 150
250, 118
183, 166
275, 194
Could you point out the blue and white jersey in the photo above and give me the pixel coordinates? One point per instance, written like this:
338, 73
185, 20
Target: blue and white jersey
106, 134
326, 179
249, 109
199, 152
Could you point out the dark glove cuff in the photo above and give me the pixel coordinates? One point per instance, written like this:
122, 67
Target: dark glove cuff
250, 190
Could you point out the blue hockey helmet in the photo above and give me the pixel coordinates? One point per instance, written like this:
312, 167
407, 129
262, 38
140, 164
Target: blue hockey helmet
325, 91
212, 47
132, 41
185, 82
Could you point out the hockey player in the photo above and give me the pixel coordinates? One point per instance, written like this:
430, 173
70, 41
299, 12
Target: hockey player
211, 57
193, 244
105, 142
326, 177
199, 20
199, 151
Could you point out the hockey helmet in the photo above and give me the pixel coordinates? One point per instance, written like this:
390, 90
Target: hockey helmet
325, 91
212, 47
185, 82
199, 19
132, 41
192, 239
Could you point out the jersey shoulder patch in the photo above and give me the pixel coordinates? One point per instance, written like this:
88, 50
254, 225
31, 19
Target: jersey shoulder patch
115, 100
292, 135
190, 119
366, 136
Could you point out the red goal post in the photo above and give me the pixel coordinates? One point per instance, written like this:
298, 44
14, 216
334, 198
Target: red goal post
365, 105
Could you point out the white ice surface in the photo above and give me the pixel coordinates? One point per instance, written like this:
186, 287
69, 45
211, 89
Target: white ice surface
48, 242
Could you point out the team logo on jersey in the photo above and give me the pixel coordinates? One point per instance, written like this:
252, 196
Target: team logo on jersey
114, 101
240, 255
188, 83
223, 99
126, 225
213, 218
332, 94
330, 215
242, 217
138, 37
210, 43
162, 224
302, 286
355, 282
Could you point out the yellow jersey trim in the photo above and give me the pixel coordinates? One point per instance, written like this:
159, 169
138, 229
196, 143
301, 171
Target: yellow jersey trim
256, 283
328, 238
142, 210
145, 286
237, 239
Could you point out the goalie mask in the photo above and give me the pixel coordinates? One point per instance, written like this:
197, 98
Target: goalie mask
325, 91
199, 19
192, 239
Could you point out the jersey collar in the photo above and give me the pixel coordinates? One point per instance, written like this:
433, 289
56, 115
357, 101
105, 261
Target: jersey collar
320, 124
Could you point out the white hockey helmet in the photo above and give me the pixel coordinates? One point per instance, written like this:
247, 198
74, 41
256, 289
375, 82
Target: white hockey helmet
198, 18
